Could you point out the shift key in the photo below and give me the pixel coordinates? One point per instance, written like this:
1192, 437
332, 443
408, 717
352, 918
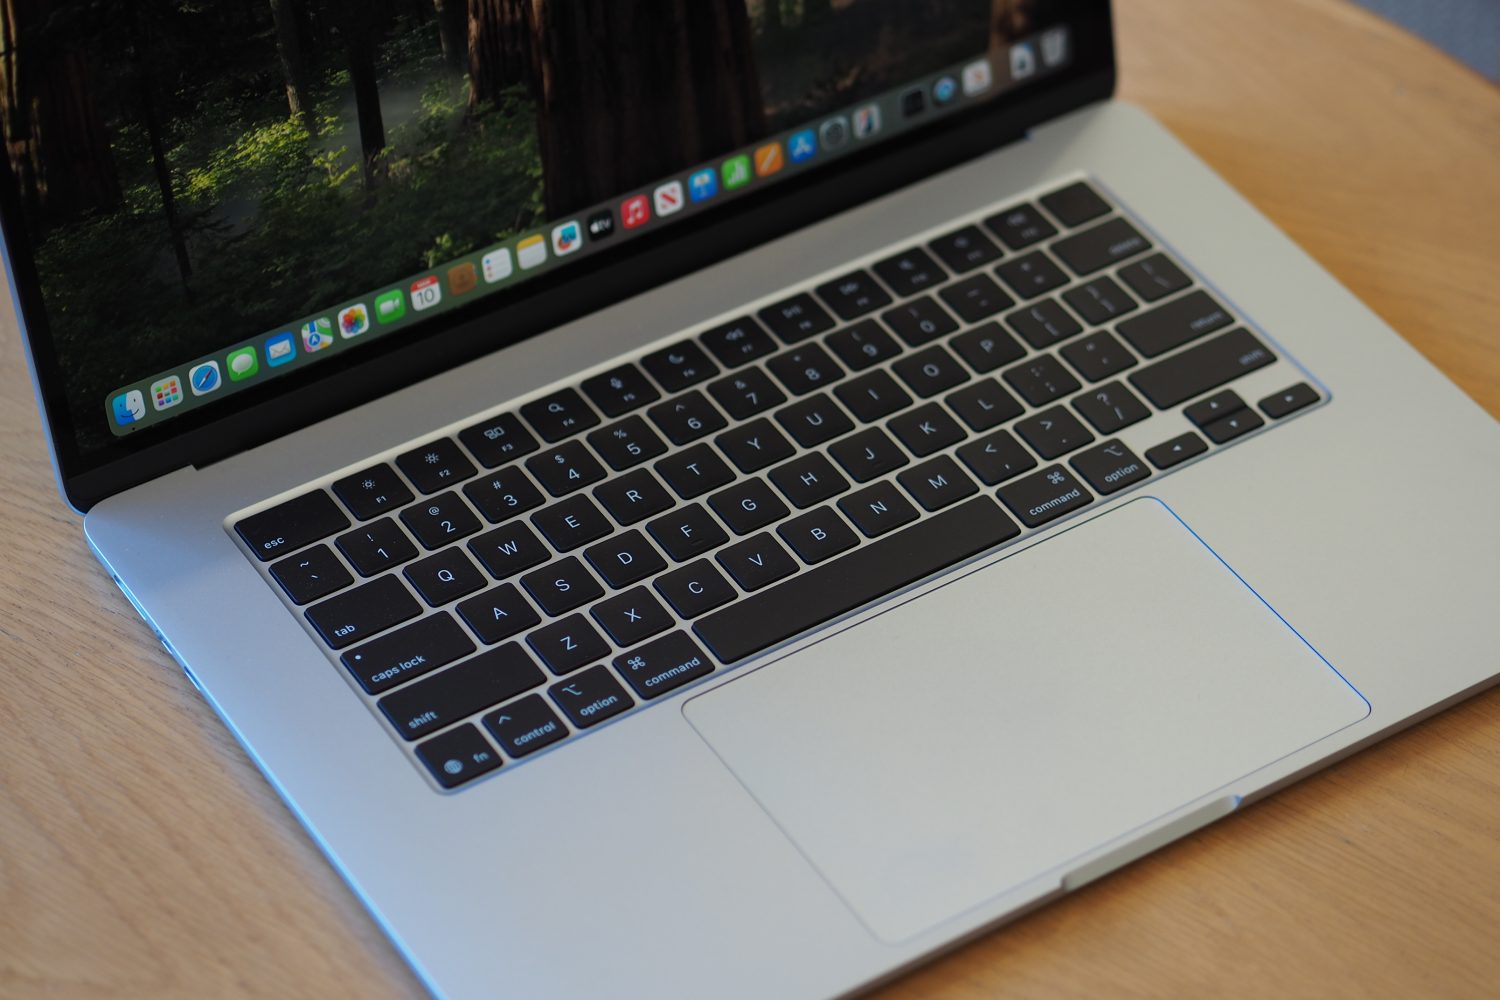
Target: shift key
1199, 369
407, 652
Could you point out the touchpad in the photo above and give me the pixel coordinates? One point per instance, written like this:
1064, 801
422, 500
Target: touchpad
994, 730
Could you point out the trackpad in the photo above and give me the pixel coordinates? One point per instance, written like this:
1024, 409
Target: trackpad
994, 730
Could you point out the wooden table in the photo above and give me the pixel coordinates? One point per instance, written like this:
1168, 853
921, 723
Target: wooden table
142, 855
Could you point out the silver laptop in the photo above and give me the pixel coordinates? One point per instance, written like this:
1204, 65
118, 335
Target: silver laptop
725, 506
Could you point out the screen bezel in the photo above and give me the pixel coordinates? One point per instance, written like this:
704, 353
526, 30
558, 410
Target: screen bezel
283, 405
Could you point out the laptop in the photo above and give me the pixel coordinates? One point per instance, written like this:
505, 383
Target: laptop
731, 501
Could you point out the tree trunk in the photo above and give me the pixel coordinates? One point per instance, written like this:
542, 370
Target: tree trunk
502, 48
1009, 20
453, 26
626, 99
354, 25
772, 13
289, 48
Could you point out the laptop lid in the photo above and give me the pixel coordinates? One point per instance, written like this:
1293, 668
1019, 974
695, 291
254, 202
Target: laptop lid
223, 222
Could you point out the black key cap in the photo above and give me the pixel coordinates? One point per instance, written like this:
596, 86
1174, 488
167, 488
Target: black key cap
695, 588
498, 614
559, 415
627, 443
562, 586
376, 547
920, 321
1228, 428
754, 446
498, 439
440, 520
1107, 243
634, 497
525, 726
984, 405
937, 483
471, 686
747, 506
687, 532
1020, 226
694, 471
1174, 324
1288, 400
738, 342
976, 298
620, 390
1111, 407
1044, 496
1031, 275
1043, 324
310, 575
571, 523
565, 468
444, 577
1179, 449
436, 465
632, 616
1220, 404
458, 756
797, 318
1098, 356
926, 429
687, 417
591, 697
1041, 380
624, 559
569, 644
1201, 368
1110, 467
663, 665
291, 525
853, 295
757, 562
808, 479
814, 420
996, 457
857, 578
965, 249
746, 394
372, 492
509, 549
679, 366
910, 272
817, 535
876, 510
805, 369
1154, 278
987, 347
387, 661
872, 396
1053, 432
868, 455
503, 494
931, 371
1075, 204
1100, 301
864, 344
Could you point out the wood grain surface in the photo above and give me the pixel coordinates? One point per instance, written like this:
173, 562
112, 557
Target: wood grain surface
142, 855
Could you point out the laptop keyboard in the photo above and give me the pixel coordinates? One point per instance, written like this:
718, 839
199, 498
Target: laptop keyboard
558, 564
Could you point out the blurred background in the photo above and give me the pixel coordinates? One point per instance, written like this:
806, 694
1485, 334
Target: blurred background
1468, 30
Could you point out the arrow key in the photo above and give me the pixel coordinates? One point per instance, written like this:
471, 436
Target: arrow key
591, 697
1179, 449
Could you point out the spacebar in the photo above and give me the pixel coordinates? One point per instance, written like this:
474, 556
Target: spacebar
858, 578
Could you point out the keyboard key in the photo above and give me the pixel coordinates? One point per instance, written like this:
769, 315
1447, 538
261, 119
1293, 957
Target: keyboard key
436, 465
926, 429
984, 404
695, 588
681, 365
687, 417
569, 644
860, 576
1020, 226
509, 549
1041, 380
965, 249
754, 446
1199, 369
376, 547
559, 415
853, 295
458, 756
1111, 407
1110, 467
562, 586
291, 525
1031, 275
738, 342
1179, 449
633, 497
498, 439
1288, 400
1228, 428
872, 396
1107, 243
591, 697
1098, 356
920, 321
1174, 324
746, 394
931, 371
372, 492
626, 444
572, 522
808, 479
461, 690
663, 665
498, 613
565, 468
814, 420
310, 575
757, 562
976, 298
1220, 404
1154, 278
408, 652
1053, 432
1045, 496
987, 347
503, 494
620, 390
525, 726
687, 532
625, 559
1100, 301
747, 506
937, 483
864, 344
818, 535
632, 616
694, 471
1075, 204
876, 510
805, 369
1043, 324
440, 520
868, 455
996, 457
444, 577
797, 318
911, 272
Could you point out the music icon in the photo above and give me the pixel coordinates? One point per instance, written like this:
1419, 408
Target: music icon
635, 211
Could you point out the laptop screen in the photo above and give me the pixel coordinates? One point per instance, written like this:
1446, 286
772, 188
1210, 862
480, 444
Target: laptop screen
214, 196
